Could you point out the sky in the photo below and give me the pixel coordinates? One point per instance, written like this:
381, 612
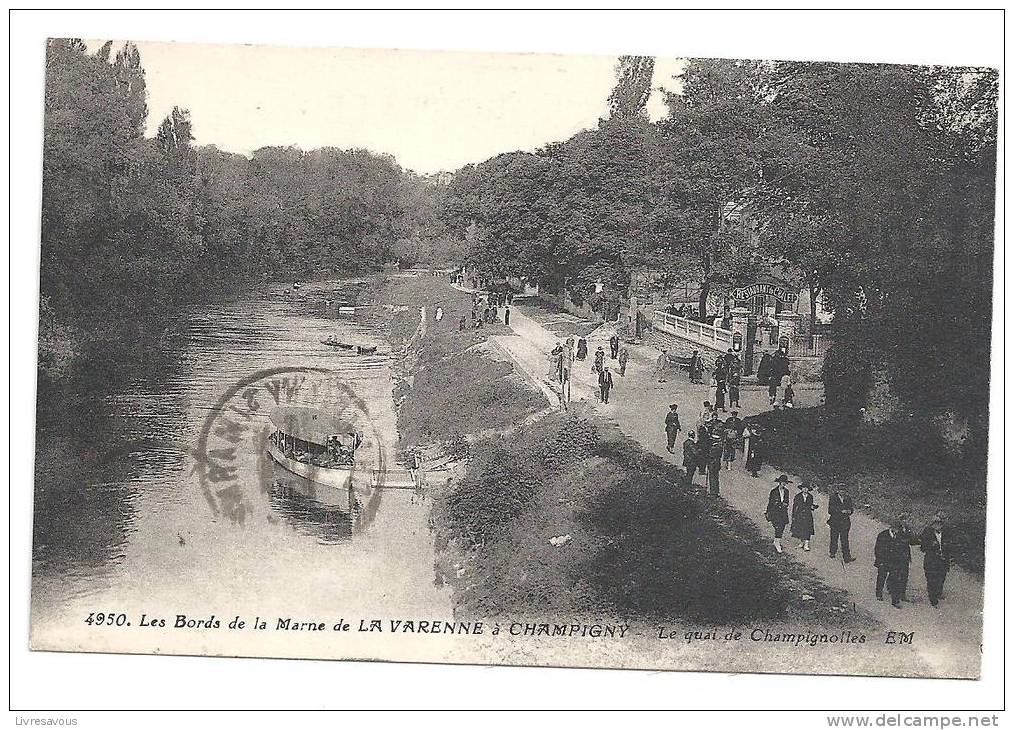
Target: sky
432, 111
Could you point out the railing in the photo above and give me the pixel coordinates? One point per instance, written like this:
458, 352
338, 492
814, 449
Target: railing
705, 334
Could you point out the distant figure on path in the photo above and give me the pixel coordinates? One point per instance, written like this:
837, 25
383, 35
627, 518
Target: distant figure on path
623, 356
672, 428
891, 557
691, 459
439, 314
733, 438
696, 368
614, 346
754, 451
935, 543
764, 369
839, 519
600, 360
802, 515
715, 451
734, 391
718, 383
777, 512
605, 384
582, 348
507, 316
660, 365
779, 368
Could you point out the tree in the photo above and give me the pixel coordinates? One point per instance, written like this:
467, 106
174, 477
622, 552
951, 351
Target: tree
714, 155
630, 95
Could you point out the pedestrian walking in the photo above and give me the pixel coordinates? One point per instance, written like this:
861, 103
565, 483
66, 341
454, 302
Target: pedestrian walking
605, 384
779, 368
622, 357
614, 346
734, 391
718, 383
802, 515
582, 348
661, 364
777, 512
754, 451
672, 427
439, 314
733, 438
691, 459
696, 368
715, 451
891, 557
764, 368
935, 543
507, 316
600, 359
839, 519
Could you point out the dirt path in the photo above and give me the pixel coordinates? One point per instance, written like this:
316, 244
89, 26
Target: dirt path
948, 638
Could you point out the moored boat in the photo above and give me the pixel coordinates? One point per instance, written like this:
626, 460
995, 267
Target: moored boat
317, 447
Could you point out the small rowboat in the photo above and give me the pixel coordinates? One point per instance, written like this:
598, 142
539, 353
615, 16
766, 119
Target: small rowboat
366, 350
333, 342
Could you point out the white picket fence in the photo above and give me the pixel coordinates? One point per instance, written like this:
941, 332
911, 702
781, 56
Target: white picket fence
699, 332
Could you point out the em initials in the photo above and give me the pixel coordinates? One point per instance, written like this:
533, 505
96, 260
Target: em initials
899, 637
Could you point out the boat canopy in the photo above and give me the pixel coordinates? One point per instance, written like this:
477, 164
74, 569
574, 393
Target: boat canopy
309, 424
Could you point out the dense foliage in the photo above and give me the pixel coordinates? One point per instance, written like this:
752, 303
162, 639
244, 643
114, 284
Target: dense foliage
871, 185
133, 225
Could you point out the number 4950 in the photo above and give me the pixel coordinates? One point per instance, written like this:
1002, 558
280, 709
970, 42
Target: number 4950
106, 619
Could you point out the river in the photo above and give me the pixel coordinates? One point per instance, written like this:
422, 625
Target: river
127, 522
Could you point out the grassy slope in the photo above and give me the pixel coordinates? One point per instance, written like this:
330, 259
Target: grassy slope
641, 544
453, 390
887, 470
549, 316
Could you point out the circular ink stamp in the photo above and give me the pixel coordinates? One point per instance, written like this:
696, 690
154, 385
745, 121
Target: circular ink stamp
290, 428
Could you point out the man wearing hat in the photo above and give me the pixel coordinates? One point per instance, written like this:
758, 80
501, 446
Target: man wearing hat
935, 543
672, 427
891, 556
839, 518
777, 512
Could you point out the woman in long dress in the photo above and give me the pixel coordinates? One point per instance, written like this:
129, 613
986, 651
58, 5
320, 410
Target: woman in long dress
753, 449
802, 515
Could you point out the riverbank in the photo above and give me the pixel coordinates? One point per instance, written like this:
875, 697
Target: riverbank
451, 383
566, 517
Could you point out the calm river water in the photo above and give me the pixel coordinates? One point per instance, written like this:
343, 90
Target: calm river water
125, 523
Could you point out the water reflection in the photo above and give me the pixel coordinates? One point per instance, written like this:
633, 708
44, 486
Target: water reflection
119, 510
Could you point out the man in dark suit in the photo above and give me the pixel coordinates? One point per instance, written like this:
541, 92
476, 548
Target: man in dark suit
891, 556
605, 384
672, 427
935, 543
839, 519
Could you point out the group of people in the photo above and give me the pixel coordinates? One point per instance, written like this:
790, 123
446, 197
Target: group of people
563, 355
486, 310
713, 444
725, 379
773, 371
892, 552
